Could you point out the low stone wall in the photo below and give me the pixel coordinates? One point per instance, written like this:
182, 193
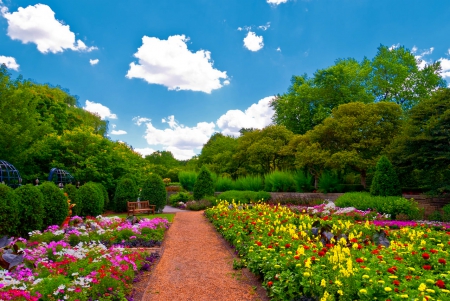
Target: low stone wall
429, 204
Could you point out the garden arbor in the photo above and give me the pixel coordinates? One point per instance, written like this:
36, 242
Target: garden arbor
60, 177
9, 175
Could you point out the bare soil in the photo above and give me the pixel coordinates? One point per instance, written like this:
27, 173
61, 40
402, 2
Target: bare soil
197, 264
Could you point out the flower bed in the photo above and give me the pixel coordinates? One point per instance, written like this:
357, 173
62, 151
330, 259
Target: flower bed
90, 261
301, 256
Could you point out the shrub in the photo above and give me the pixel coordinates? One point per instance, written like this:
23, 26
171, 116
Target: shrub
202, 204
105, 195
180, 197
204, 185
279, 181
56, 207
301, 201
9, 211
91, 198
253, 183
126, 190
31, 209
303, 181
154, 191
385, 181
224, 184
187, 179
386, 205
446, 213
328, 182
244, 196
71, 191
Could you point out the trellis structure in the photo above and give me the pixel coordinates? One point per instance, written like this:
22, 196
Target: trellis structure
60, 177
9, 175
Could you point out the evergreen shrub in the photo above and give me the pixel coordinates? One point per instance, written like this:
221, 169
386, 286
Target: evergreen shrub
385, 181
9, 211
204, 184
106, 203
91, 198
244, 196
126, 191
154, 191
31, 209
187, 179
56, 207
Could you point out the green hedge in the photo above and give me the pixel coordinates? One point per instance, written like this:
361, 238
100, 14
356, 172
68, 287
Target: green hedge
31, 209
126, 191
9, 211
154, 191
244, 196
55, 204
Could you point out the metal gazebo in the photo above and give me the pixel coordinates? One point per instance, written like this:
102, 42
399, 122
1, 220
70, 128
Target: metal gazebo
60, 177
9, 175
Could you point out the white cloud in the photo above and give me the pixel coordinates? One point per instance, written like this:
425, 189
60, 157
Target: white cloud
240, 28
9, 61
94, 62
264, 27
179, 139
145, 151
276, 2
138, 120
258, 115
113, 126
37, 24
421, 61
99, 109
119, 132
170, 63
445, 65
395, 46
279, 49
253, 42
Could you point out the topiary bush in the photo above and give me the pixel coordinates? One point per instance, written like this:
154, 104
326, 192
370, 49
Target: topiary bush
126, 191
9, 211
31, 209
204, 184
385, 181
91, 198
56, 207
154, 191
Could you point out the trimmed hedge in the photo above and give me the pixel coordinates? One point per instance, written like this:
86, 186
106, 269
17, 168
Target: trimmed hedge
9, 211
154, 191
92, 199
56, 207
126, 190
31, 209
204, 185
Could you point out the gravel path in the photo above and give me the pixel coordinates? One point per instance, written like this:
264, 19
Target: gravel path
197, 264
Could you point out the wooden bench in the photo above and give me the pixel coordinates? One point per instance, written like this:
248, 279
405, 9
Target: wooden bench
137, 207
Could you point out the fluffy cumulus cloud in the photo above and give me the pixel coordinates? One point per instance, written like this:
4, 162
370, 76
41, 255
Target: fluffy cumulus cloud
37, 24
276, 2
140, 120
181, 140
420, 57
258, 115
170, 63
445, 72
145, 151
253, 42
99, 109
9, 62
94, 62
119, 132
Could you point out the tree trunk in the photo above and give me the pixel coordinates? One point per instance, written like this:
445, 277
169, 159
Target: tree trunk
363, 178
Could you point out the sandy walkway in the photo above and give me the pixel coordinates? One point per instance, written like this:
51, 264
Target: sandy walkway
197, 265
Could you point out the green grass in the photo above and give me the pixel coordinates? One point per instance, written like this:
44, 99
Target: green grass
168, 216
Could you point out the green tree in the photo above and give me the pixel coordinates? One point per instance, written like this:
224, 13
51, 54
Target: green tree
204, 185
154, 191
385, 181
218, 153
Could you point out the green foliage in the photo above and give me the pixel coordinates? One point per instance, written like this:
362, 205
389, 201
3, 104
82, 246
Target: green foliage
244, 196
342, 188
180, 197
91, 198
9, 211
31, 209
55, 204
154, 191
204, 184
385, 181
328, 182
446, 213
224, 184
279, 181
106, 202
71, 191
303, 181
204, 203
126, 191
391, 205
254, 183
217, 154
187, 179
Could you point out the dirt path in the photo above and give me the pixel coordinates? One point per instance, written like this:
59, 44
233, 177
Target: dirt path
197, 264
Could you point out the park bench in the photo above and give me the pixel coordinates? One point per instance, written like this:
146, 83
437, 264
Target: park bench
137, 207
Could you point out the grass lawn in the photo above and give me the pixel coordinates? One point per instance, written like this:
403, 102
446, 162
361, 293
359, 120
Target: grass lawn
168, 216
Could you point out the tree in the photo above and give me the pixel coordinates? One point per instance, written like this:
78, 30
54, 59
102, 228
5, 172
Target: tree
204, 185
218, 153
385, 181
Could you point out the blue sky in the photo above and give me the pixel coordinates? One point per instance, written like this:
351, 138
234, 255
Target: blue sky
168, 74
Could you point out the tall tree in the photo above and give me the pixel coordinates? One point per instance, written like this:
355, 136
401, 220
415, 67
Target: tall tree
218, 153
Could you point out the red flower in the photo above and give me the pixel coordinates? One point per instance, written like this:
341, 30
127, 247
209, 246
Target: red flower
413, 252
442, 260
313, 258
306, 247
426, 256
396, 282
380, 257
269, 284
359, 260
427, 267
392, 270
440, 284
408, 277
433, 251
363, 267
359, 247
354, 240
375, 252
297, 257
321, 253
259, 243
287, 246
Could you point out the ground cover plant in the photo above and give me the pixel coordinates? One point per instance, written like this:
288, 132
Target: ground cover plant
87, 260
300, 255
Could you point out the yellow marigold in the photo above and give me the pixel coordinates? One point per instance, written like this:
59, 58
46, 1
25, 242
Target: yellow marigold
381, 281
393, 277
430, 280
404, 296
387, 289
323, 283
306, 274
422, 287
365, 276
363, 291
430, 291
338, 283
340, 292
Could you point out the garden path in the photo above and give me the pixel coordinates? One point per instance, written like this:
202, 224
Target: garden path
197, 264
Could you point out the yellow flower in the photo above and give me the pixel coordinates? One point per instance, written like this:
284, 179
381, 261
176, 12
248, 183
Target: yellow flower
404, 296
363, 291
445, 291
306, 274
430, 280
365, 276
338, 283
381, 281
393, 277
388, 289
430, 291
422, 287
323, 283
340, 292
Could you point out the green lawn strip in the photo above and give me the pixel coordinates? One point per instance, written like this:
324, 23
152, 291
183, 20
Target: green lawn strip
168, 216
